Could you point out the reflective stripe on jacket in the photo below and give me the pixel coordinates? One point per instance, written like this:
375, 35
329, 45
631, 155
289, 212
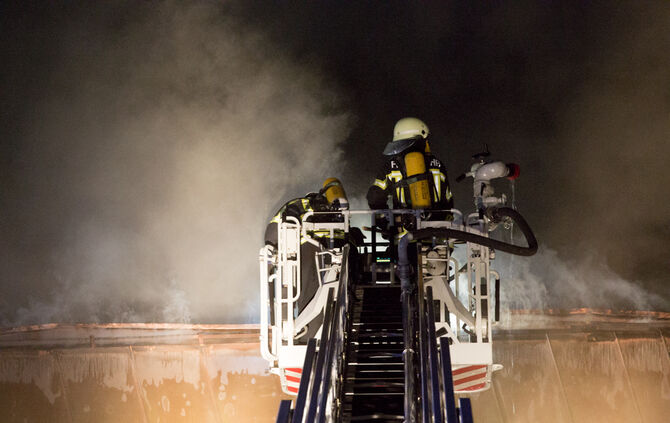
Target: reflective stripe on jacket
388, 183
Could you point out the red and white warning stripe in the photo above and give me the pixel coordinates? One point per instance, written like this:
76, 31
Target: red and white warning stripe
293, 376
469, 378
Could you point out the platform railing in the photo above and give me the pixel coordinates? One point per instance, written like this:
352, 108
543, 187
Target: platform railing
285, 279
438, 400
466, 314
321, 384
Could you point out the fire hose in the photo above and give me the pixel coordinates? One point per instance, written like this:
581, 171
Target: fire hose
405, 272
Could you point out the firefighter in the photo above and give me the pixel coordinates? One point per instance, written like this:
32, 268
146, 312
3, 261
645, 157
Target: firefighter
295, 208
413, 176
329, 199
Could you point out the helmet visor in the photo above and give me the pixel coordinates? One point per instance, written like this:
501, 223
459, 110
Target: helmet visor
397, 147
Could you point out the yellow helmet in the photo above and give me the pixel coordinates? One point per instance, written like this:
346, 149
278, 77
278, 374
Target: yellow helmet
410, 127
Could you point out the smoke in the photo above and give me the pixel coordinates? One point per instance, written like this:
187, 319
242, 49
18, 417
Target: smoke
145, 145
157, 141
574, 92
549, 282
615, 141
589, 123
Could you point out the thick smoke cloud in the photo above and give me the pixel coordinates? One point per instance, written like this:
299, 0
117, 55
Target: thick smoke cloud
610, 215
147, 146
604, 223
137, 137
548, 281
593, 182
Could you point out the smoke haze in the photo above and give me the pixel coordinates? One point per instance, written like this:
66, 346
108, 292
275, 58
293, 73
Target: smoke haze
593, 186
144, 146
145, 165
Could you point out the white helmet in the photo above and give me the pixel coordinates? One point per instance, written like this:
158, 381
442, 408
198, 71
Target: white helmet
406, 133
410, 127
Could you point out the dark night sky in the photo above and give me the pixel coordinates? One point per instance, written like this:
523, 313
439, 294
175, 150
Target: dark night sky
542, 83
577, 93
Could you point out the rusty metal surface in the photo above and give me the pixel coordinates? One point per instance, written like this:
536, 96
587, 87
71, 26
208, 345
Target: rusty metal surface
557, 368
589, 374
135, 373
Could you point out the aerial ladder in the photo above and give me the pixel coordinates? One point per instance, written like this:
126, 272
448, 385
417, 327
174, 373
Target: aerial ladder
405, 321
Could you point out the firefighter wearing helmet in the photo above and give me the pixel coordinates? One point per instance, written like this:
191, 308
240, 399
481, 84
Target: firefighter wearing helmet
413, 176
331, 198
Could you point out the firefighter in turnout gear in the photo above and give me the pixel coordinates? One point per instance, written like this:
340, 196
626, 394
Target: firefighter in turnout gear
295, 208
331, 198
414, 177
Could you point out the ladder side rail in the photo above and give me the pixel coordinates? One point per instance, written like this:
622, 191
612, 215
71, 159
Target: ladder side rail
284, 413
423, 346
307, 377
344, 327
466, 410
323, 342
335, 345
432, 356
373, 248
408, 354
325, 388
448, 381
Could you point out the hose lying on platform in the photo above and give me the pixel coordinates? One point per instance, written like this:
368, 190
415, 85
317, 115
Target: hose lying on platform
495, 214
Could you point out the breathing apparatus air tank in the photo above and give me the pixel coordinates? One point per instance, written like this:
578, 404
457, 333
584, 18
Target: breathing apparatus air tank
419, 189
408, 146
332, 189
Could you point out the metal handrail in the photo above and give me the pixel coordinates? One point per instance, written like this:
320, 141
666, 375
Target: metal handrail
303, 390
466, 410
318, 388
320, 358
439, 403
447, 381
341, 328
265, 280
423, 351
284, 411
336, 343
287, 281
408, 356
496, 278
432, 357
